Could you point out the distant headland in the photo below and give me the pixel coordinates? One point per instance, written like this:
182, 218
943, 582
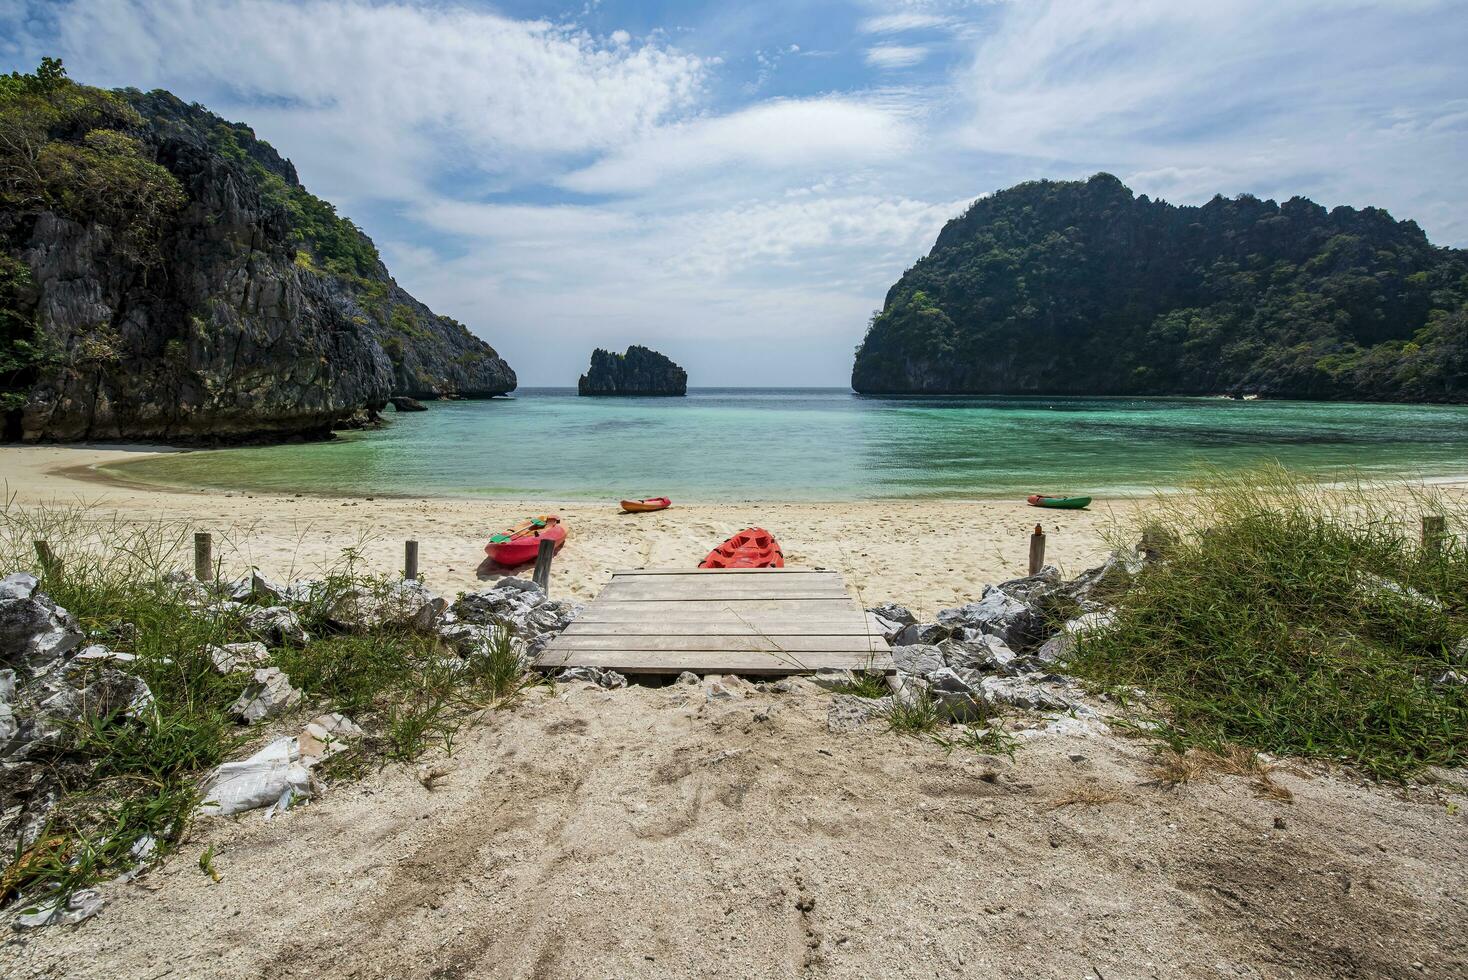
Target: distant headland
1082, 288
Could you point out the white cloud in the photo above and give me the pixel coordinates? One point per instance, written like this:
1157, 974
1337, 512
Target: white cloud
1346, 101
519, 224
910, 20
890, 56
765, 230
385, 85
796, 273
790, 135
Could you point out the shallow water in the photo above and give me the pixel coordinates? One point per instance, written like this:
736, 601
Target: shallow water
829, 444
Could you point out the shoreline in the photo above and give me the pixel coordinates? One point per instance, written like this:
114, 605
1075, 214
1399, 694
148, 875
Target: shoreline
927, 554
93, 472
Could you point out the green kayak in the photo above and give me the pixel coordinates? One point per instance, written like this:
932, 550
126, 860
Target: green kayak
1063, 503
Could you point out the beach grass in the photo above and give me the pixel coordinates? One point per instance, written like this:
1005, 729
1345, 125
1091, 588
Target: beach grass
1298, 620
128, 786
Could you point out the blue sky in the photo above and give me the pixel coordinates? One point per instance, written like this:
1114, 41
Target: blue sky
737, 184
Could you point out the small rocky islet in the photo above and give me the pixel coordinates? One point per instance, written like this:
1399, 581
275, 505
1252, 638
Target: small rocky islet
639, 371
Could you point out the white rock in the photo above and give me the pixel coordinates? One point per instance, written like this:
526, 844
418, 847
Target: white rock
918, 659
921, 633
238, 656
688, 677
275, 624
325, 736
958, 693
269, 695
265, 592
847, 712
1063, 644
832, 678
21, 585
725, 688
34, 631
592, 675
906, 689
82, 904
406, 604
1380, 587
8, 726
467, 639
1021, 693
996, 614
98, 654
980, 653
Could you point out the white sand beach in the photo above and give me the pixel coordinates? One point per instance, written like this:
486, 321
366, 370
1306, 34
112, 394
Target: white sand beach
925, 553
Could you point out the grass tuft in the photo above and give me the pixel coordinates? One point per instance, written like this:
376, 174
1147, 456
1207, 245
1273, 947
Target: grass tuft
864, 684
1297, 620
914, 715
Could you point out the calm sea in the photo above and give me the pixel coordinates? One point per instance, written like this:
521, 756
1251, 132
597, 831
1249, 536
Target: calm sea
829, 444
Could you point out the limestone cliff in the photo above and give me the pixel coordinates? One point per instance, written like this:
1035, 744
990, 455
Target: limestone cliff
164, 275
1081, 287
639, 371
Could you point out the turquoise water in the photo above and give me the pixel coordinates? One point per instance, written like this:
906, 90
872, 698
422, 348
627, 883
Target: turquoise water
829, 444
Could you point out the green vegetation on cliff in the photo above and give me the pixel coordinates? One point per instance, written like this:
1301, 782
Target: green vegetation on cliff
66, 148
1082, 288
326, 240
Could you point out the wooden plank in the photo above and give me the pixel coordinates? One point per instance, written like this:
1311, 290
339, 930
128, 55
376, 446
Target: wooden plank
786, 644
715, 662
744, 621
730, 627
630, 592
774, 584
611, 611
724, 571
745, 575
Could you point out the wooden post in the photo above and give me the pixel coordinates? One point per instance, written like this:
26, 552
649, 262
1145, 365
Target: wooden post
543, 563
50, 567
410, 560
203, 556
1434, 530
1037, 550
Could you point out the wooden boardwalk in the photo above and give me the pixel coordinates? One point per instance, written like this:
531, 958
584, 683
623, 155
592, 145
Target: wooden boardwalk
736, 621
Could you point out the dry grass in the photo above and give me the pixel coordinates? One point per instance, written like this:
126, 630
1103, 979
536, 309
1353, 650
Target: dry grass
1173, 768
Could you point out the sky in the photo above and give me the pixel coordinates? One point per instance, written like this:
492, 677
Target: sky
737, 184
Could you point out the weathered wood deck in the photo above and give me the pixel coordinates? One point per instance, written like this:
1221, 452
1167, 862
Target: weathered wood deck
736, 621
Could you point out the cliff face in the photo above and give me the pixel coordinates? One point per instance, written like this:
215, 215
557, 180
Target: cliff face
164, 276
638, 372
1082, 288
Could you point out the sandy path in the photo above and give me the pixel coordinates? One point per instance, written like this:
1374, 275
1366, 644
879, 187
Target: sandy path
927, 554
647, 833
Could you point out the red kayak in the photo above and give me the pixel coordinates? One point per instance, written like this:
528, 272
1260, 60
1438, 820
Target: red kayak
646, 505
520, 544
751, 548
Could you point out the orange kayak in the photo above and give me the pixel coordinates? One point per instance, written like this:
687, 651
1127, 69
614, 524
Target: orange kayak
751, 548
643, 506
521, 543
